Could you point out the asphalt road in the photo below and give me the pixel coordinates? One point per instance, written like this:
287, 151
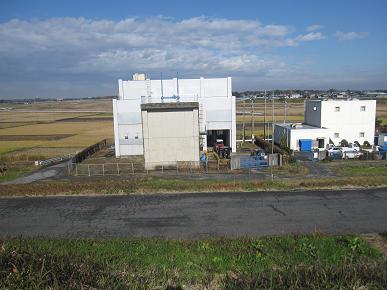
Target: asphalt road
196, 215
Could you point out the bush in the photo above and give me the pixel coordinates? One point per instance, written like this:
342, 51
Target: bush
344, 143
328, 158
366, 144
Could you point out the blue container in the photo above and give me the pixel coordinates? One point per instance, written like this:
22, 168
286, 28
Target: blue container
305, 145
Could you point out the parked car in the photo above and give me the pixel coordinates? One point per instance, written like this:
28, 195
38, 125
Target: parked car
352, 154
334, 150
351, 147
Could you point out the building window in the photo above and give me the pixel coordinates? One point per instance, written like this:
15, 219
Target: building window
336, 135
361, 134
362, 108
314, 108
337, 109
126, 137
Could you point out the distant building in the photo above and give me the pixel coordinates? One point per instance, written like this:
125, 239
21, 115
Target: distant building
350, 119
216, 112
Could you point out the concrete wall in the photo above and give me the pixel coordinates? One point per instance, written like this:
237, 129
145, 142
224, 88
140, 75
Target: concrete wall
128, 137
312, 113
217, 105
170, 136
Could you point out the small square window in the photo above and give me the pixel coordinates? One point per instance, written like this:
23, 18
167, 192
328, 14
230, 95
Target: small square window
337, 109
337, 135
361, 134
362, 108
126, 137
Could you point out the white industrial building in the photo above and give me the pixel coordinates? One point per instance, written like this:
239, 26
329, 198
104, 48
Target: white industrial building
216, 116
329, 121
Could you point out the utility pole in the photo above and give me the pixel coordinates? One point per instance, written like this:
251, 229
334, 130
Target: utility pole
272, 125
243, 122
264, 119
285, 109
252, 119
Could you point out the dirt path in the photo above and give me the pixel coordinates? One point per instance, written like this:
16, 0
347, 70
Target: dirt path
41, 174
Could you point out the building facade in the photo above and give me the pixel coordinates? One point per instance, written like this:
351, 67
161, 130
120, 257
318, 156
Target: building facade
171, 133
217, 114
350, 119
329, 121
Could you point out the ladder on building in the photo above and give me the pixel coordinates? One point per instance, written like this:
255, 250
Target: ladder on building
202, 126
202, 121
148, 88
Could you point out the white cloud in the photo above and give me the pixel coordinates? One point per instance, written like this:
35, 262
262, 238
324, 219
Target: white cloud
58, 49
311, 36
350, 35
314, 27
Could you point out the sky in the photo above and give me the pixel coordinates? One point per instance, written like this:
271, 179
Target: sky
60, 49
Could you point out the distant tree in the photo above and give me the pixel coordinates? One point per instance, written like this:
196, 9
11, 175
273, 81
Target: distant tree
378, 122
236, 94
366, 144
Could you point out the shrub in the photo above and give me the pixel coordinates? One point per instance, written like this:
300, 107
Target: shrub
344, 143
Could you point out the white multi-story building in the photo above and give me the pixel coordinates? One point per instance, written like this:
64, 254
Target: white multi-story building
330, 121
217, 115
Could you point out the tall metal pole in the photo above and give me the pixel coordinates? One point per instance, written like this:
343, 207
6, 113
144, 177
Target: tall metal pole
177, 81
264, 119
272, 126
285, 109
243, 118
252, 119
162, 89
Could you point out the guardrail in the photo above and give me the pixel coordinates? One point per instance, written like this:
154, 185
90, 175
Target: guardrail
53, 160
79, 157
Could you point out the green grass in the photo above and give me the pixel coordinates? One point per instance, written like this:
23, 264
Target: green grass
364, 170
150, 185
15, 172
314, 261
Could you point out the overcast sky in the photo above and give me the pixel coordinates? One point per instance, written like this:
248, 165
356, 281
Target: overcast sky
80, 48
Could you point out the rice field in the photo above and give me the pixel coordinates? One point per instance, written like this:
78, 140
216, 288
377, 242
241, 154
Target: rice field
68, 126
50, 129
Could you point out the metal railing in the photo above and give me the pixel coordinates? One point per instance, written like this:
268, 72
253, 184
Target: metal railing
132, 168
169, 99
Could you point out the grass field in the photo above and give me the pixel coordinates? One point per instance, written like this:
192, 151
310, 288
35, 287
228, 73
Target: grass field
151, 185
287, 262
89, 121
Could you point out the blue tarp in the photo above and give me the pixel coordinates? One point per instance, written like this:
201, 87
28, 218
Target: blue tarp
305, 145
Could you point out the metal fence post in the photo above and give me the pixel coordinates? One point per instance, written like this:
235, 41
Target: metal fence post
162, 169
118, 169
218, 165
76, 169
132, 168
103, 169
88, 168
